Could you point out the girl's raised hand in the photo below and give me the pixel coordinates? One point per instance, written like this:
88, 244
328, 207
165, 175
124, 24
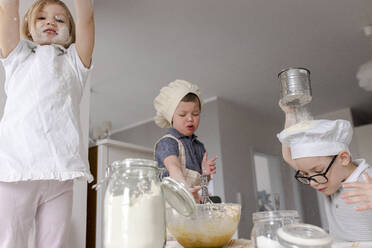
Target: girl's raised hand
209, 166
9, 26
84, 30
361, 193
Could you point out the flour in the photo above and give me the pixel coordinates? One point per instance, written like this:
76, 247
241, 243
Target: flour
299, 127
303, 114
61, 38
298, 115
137, 222
264, 242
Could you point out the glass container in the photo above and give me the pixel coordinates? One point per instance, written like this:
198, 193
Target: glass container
266, 224
134, 206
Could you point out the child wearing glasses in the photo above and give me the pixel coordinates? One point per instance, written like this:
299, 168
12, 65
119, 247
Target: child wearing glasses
318, 150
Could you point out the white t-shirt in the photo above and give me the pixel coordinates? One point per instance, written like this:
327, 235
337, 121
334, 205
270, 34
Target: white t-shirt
345, 223
40, 133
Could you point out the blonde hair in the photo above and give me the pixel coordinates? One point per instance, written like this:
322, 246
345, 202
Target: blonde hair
29, 19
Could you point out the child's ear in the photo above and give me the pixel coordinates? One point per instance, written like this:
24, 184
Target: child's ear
345, 158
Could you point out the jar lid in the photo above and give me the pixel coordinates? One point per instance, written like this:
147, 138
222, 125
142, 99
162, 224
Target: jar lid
303, 235
178, 196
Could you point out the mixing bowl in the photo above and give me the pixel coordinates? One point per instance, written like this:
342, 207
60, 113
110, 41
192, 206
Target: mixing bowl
211, 226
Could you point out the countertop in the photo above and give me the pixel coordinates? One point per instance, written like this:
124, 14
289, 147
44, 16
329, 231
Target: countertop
240, 243
363, 244
243, 243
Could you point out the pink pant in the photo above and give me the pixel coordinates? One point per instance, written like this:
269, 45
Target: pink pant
47, 203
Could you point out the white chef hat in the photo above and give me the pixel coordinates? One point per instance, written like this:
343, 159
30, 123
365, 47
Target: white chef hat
169, 98
317, 138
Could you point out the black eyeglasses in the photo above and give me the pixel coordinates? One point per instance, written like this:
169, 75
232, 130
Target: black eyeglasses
318, 178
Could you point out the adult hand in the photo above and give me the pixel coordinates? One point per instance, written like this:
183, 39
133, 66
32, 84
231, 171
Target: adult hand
361, 193
209, 166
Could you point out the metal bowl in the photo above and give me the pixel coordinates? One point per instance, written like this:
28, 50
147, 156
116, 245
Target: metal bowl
211, 226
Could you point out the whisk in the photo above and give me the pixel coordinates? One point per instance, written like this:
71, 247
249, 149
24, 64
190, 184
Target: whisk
204, 187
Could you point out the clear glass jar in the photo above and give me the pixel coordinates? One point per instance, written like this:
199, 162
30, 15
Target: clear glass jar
134, 206
266, 224
303, 236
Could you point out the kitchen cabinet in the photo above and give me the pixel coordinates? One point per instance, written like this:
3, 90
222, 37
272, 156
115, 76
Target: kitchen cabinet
102, 154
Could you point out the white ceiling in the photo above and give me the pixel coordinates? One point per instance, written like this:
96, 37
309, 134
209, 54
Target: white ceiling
231, 48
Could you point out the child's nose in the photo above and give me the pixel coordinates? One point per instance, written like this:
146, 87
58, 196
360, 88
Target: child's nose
51, 22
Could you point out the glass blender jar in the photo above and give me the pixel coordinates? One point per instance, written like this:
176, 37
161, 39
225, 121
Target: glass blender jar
266, 224
134, 206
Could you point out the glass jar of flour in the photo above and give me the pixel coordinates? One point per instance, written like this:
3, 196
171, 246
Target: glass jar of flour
134, 206
266, 224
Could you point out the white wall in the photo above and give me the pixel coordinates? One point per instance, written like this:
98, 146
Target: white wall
262, 172
269, 177
363, 139
145, 134
242, 133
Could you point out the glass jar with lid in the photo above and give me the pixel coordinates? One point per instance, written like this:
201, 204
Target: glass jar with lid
266, 224
134, 206
303, 236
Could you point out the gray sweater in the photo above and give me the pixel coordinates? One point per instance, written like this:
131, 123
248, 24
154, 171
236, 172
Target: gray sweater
345, 223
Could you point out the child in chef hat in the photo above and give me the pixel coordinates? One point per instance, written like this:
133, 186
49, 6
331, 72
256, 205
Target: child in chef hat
184, 157
318, 150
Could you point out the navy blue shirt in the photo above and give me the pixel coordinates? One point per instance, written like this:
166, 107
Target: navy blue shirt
194, 150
